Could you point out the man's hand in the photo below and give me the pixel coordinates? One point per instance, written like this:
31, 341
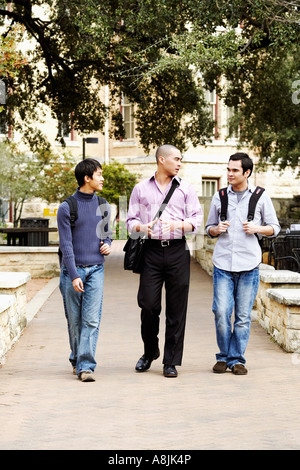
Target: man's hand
105, 249
78, 284
249, 227
266, 230
218, 229
169, 226
146, 228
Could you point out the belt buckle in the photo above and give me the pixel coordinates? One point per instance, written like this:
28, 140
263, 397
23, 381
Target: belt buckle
165, 243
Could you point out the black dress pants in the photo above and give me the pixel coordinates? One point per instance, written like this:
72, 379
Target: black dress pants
168, 265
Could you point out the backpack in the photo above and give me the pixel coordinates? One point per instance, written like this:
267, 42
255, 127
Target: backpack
74, 214
252, 203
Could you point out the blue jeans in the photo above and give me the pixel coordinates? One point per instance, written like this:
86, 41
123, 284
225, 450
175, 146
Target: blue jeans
233, 291
83, 313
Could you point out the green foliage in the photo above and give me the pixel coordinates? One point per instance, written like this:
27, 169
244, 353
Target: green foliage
86, 45
20, 178
59, 179
152, 50
58, 176
51, 177
118, 181
249, 52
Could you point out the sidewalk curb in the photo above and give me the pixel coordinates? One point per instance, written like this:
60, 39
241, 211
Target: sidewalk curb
37, 302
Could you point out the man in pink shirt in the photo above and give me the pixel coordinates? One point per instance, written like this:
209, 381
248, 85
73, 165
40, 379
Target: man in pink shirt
166, 257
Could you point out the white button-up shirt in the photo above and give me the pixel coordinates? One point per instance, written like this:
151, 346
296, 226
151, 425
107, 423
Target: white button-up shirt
237, 250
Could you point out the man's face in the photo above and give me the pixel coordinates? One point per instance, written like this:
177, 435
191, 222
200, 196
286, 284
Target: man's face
96, 182
172, 163
235, 174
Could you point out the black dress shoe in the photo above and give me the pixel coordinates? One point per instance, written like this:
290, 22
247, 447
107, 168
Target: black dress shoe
170, 371
144, 362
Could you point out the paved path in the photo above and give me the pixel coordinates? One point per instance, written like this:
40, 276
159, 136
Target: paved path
43, 406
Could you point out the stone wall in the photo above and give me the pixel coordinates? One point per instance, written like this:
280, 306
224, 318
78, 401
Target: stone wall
12, 308
39, 261
278, 307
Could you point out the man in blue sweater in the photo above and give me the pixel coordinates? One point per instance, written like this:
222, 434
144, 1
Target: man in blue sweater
83, 249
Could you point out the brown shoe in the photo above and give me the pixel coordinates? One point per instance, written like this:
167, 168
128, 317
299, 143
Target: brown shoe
220, 367
239, 369
87, 376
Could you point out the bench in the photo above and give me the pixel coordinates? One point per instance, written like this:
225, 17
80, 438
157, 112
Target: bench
28, 236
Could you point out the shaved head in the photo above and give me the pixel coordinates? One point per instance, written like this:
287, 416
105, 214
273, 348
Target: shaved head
165, 150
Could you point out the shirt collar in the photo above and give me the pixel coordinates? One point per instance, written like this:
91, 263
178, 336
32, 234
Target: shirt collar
152, 178
251, 188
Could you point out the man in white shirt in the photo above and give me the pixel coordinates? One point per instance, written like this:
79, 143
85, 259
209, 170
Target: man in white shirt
236, 260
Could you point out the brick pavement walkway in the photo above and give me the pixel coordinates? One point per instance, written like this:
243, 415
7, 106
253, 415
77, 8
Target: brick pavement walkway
43, 406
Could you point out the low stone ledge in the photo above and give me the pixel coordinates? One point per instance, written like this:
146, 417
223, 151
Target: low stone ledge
285, 296
6, 301
13, 315
279, 277
280, 317
40, 261
12, 280
7, 308
265, 267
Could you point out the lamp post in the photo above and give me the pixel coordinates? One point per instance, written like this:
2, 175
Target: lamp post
88, 140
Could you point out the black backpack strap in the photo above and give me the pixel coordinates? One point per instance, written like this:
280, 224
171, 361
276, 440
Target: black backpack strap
73, 216
253, 201
73, 210
224, 203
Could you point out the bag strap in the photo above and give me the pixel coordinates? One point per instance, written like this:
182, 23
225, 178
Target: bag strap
73, 210
175, 185
253, 201
224, 203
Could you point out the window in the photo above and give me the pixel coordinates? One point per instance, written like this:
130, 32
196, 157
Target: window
128, 119
210, 98
64, 130
232, 130
209, 186
212, 103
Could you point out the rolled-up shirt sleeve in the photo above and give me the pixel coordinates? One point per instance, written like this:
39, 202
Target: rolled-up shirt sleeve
134, 213
213, 216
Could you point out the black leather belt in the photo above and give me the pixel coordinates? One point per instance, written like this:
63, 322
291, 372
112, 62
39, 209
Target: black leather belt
165, 243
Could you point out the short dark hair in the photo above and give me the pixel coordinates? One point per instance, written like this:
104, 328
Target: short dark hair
86, 167
247, 163
165, 150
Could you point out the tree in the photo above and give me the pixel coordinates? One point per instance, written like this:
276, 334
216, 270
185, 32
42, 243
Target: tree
58, 178
79, 47
249, 52
51, 177
154, 51
20, 178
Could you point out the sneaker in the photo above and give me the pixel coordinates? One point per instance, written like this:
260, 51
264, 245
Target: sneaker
74, 370
87, 376
220, 367
239, 369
